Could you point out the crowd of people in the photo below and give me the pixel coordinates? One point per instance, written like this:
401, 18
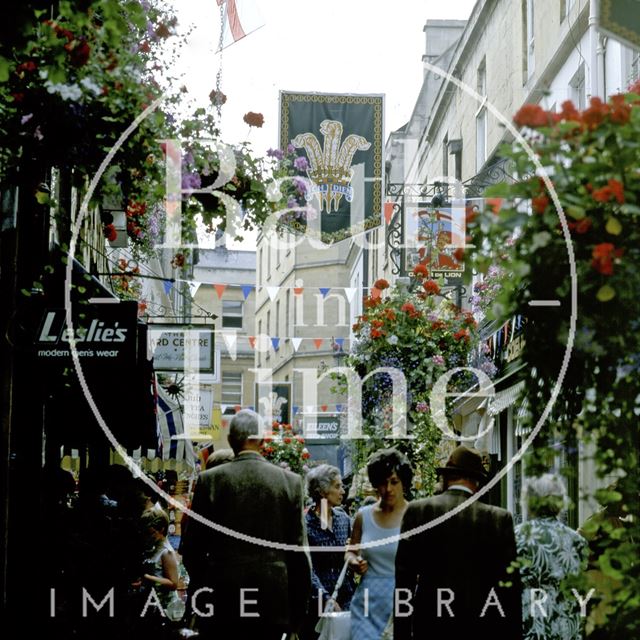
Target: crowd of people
269, 560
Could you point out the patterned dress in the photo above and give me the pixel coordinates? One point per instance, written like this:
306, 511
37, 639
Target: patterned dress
327, 566
170, 600
549, 551
372, 604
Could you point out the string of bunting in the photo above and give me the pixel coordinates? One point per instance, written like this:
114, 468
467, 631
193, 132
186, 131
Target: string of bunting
230, 339
499, 339
272, 292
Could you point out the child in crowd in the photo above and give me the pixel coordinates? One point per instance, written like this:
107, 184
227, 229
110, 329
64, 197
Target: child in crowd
163, 568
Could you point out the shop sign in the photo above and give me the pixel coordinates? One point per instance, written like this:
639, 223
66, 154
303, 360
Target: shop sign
322, 426
198, 405
182, 349
105, 333
514, 349
433, 234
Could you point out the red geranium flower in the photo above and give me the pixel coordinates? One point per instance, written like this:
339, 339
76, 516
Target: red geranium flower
381, 284
531, 115
540, 203
30, 65
110, 232
596, 113
431, 287
582, 226
613, 189
620, 110
569, 111
421, 271
603, 255
254, 119
79, 52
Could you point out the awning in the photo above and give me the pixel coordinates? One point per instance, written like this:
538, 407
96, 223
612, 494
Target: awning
504, 399
522, 416
174, 444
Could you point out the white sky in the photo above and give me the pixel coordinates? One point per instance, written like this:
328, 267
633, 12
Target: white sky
331, 46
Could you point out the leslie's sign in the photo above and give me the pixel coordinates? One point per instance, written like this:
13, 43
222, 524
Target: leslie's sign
106, 333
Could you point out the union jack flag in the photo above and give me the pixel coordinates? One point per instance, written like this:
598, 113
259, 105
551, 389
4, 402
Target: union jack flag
241, 17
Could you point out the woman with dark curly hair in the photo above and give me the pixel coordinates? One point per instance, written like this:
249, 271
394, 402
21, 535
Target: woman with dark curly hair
390, 474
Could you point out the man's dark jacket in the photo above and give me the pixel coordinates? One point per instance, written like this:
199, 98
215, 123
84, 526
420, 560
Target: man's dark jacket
255, 498
468, 554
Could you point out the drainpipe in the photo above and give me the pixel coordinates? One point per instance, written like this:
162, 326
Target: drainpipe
594, 61
601, 53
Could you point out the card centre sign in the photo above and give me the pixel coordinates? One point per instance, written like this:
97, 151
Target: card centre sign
190, 350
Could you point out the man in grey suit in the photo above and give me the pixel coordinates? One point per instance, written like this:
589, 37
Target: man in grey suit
251, 583
451, 578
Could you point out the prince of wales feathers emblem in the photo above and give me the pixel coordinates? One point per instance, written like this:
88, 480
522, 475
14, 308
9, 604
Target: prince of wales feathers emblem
330, 168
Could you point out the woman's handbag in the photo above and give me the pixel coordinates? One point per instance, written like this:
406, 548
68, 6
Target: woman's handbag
335, 625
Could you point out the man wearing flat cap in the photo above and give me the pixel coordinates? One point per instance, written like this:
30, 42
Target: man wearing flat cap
451, 566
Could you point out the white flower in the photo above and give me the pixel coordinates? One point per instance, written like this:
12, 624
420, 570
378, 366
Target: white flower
393, 339
65, 91
273, 192
89, 84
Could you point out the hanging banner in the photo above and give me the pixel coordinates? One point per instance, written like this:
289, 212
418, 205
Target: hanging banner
273, 400
620, 19
341, 136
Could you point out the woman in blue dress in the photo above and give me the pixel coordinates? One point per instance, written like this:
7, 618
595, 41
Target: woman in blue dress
390, 474
327, 526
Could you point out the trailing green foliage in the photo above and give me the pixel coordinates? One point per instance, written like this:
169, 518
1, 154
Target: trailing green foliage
577, 241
